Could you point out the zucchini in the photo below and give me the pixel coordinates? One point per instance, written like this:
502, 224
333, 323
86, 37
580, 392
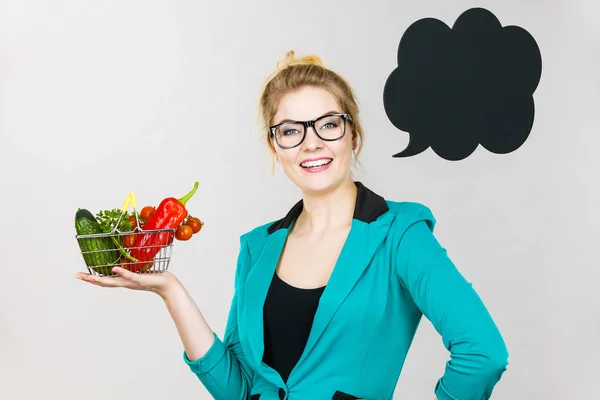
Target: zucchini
104, 252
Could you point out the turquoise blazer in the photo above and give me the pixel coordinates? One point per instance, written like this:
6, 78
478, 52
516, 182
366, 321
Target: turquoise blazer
391, 272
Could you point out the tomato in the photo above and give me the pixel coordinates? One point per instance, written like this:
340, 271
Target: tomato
132, 221
129, 241
195, 224
147, 212
183, 232
125, 263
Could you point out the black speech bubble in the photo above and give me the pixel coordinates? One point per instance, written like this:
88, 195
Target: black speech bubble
455, 88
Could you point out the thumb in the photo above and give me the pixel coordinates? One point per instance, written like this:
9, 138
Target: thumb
126, 274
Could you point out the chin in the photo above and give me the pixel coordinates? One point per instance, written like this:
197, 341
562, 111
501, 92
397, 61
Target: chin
319, 184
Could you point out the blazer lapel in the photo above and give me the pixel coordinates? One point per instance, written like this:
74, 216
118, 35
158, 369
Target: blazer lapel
358, 250
256, 288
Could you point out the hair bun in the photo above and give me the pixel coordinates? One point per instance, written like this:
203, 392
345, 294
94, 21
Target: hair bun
289, 60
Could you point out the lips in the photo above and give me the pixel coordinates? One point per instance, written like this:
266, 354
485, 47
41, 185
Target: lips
315, 163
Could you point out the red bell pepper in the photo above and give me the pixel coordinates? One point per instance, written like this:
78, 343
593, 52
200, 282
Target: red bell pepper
168, 215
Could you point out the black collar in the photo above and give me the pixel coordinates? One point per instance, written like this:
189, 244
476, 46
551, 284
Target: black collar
368, 207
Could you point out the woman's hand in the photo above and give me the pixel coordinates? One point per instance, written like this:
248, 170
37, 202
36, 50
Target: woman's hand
159, 283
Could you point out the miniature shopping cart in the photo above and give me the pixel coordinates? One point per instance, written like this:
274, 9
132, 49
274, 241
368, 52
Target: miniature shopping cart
139, 251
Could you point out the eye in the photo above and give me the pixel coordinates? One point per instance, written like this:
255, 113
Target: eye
330, 122
290, 131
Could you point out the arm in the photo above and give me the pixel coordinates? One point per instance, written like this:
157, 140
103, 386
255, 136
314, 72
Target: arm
478, 352
219, 364
195, 334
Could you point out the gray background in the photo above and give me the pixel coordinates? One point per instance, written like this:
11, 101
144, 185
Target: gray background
101, 98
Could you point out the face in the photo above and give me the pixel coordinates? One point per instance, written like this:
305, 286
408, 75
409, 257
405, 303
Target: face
309, 103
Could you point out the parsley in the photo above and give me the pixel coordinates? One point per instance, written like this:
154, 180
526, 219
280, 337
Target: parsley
108, 219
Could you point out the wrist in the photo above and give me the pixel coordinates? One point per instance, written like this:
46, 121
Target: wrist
171, 288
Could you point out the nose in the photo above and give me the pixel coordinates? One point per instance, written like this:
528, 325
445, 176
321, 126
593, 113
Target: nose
312, 141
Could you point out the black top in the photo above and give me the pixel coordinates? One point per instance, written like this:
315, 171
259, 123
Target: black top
288, 317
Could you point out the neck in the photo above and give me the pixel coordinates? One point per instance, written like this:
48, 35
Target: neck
329, 210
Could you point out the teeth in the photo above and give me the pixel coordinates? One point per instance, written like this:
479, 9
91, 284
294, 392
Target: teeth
318, 163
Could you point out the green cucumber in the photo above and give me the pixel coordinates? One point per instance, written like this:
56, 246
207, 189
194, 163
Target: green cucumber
105, 253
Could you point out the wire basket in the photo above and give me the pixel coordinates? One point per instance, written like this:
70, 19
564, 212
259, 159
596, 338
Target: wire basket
139, 251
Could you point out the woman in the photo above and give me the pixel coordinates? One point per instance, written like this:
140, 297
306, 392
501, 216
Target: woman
328, 297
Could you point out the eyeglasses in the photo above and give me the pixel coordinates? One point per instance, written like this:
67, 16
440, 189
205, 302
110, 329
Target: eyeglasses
329, 127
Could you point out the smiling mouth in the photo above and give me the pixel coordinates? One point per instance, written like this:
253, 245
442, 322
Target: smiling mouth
315, 164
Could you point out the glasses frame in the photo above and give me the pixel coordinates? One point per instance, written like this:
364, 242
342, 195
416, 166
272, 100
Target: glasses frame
310, 124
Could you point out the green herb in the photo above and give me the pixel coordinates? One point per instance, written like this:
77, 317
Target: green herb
108, 219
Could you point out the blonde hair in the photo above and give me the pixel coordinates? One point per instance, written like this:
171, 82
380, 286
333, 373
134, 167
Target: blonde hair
290, 74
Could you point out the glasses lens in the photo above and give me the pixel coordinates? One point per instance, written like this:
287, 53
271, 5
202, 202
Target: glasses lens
330, 127
289, 134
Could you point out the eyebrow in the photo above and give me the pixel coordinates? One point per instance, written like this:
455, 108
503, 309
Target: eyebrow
295, 120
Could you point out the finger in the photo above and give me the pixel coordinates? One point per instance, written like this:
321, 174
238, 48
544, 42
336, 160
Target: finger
109, 281
126, 274
84, 277
104, 281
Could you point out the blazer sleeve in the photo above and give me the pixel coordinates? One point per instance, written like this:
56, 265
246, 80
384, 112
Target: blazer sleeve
478, 354
224, 370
